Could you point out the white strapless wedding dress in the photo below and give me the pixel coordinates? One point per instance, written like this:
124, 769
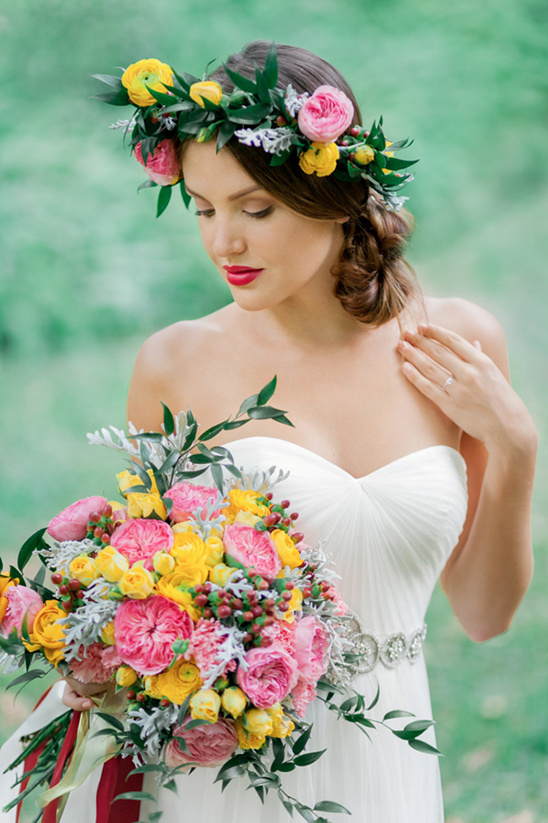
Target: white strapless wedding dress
389, 534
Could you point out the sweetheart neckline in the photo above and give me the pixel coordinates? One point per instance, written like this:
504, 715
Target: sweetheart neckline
386, 466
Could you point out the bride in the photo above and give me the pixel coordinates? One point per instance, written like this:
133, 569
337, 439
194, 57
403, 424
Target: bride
411, 455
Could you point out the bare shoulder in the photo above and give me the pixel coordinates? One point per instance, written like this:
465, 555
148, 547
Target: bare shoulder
167, 361
471, 321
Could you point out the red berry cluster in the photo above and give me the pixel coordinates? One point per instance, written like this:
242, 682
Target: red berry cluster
277, 518
100, 526
71, 591
316, 588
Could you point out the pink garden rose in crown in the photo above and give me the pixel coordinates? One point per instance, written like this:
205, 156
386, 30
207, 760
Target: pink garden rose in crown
325, 115
140, 539
187, 499
162, 165
207, 745
254, 548
72, 522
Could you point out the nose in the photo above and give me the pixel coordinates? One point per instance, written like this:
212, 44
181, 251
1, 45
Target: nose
228, 239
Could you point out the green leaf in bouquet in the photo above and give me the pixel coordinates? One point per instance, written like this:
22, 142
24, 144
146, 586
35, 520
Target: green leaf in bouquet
234, 564
213, 431
308, 758
330, 806
192, 724
264, 412
288, 806
147, 482
109, 80
10, 645
115, 98
267, 391
419, 726
112, 721
217, 474
169, 422
164, 196
15, 574
288, 766
302, 740
425, 748
135, 796
33, 543
375, 699
235, 424
306, 812
397, 713
200, 459
232, 469
248, 403
26, 677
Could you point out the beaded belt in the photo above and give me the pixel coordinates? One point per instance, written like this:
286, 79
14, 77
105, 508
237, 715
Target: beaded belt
367, 649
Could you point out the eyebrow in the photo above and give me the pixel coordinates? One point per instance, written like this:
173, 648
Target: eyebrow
232, 196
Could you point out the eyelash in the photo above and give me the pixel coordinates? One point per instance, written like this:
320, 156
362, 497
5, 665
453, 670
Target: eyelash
257, 215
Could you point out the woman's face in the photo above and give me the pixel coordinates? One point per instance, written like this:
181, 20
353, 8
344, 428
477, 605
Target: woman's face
264, 251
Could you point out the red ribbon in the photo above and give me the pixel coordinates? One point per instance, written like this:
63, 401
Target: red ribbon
50, 811
114, 781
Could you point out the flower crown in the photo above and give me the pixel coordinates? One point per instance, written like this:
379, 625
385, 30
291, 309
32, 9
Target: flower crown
315, 128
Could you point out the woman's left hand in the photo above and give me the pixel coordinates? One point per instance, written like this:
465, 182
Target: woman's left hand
466, 385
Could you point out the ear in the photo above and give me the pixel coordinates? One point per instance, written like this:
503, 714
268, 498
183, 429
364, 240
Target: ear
342, 219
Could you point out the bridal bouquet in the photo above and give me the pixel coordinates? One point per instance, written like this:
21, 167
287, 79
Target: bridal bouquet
200, 605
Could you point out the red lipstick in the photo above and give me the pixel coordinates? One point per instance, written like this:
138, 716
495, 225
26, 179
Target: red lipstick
241, 275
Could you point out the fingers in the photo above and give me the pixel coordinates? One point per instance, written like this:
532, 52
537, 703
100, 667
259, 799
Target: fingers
451, 340
75, 701
425, 364
429, 388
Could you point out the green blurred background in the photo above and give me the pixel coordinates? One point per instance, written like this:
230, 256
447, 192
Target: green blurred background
87, 274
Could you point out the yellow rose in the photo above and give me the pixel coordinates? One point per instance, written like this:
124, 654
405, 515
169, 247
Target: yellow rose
287, 551
220, 574
282, 728
107, 634
151, 73
189, 575
295, 604
215, 551
168, 586
83, 569
205, 705
234, 701
184, 526
207, 89
110, 564
126, 676
248, 740
176, 683
246, 500
320, 158
48, 633
364, 155
163, 563
246, 518
141, 504
188, 548
137, 583
258, 722
5, 582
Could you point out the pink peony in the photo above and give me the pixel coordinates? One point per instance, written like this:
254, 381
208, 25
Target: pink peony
282, 632
208, 745
302, 694
270, 675
145, 630
162, 165
250, 547
72, 522
207, 638
22, 602
140, 539
96, 664
189, 499
326, 115
309, 649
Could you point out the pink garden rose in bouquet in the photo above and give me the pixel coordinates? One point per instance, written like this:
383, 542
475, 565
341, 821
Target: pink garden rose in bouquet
208, 745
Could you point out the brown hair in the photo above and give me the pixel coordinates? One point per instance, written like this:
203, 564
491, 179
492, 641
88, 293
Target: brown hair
373, 281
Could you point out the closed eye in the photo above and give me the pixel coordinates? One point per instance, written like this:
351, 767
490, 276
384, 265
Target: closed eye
255, 214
